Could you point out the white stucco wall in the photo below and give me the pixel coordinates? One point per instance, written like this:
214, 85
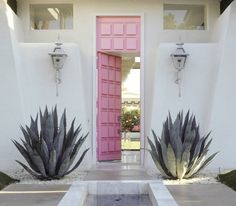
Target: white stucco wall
197, 86
27, 76
37, 79
207, 88
38, 87
10, 104
27, 82
223, 117
84, 12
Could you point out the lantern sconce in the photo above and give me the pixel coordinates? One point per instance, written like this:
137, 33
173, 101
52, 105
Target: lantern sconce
179, 59
58, 57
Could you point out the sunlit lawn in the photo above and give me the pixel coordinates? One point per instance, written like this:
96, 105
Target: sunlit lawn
130, 145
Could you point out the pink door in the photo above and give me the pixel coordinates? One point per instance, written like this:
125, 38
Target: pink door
109, 107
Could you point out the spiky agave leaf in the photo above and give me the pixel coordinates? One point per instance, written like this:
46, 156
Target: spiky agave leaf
55, 121
59, 139
34, 125
180, 152
77, 147
206, 162
26, 135
155, 155
34, 174
52, 162
159, 150
182, 165
25, 154
78, 163
64, 166
48, 149
44, 151
171, 160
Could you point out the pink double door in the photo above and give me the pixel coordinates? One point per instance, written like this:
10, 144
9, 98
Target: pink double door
114, 35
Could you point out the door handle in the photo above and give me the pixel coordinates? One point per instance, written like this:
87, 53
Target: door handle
119, 118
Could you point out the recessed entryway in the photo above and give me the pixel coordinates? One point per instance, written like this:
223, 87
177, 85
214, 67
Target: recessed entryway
118, 89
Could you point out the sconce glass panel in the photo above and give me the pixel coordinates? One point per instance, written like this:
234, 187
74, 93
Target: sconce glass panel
184, 17
51, 16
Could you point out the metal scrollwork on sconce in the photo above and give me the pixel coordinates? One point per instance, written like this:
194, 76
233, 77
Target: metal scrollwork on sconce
179, 58
58, 57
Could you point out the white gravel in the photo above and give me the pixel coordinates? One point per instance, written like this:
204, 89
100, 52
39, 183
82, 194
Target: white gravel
200, 179
26, 178
207, 177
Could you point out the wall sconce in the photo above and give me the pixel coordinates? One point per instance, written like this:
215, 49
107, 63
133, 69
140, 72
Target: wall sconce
179, 59
58, 59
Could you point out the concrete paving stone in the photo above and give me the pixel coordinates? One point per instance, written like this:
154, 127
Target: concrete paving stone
32, 195
203, 195
118, 175
30, 199
36, 187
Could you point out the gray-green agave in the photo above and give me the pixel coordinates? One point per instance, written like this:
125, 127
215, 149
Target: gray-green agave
180, 152
51, 151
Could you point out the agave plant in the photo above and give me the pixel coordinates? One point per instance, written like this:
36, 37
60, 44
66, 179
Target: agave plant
180, 152
51, 151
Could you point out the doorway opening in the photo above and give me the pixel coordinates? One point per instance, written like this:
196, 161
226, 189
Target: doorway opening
118, 106
131, 108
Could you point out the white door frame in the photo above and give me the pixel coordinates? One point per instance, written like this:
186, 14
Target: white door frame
95, 76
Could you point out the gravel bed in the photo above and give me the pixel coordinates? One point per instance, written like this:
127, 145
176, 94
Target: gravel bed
26, 178
207, 177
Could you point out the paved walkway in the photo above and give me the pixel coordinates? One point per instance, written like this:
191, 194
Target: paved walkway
185, 195
203, 195
117, 171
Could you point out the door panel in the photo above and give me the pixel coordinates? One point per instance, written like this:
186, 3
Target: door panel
118, 34
109, 106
